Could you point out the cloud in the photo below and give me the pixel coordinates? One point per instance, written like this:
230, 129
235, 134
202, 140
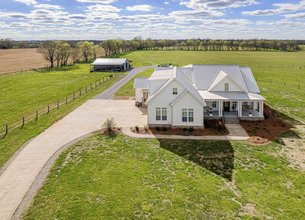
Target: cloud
140, 8
97, 1
27, 2
297, 15
217, 4
48, 6
280, 9
195, 14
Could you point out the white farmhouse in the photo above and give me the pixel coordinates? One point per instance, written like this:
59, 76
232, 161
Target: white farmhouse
186, 96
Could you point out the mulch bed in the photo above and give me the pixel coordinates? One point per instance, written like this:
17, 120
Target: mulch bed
271, 128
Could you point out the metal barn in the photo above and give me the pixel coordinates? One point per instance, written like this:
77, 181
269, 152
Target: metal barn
110, 65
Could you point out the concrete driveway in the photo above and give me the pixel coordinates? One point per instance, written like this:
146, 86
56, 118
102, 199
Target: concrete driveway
16, 180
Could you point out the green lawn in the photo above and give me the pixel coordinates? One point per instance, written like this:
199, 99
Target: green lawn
280, 67
16, 138
24, 93
127, 89
124, 178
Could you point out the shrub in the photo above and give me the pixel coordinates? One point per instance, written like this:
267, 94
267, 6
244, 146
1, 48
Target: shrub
109, 125
137, 128
191, 129
164, 129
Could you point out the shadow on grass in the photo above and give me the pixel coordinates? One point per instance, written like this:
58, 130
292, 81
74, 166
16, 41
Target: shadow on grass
216, 156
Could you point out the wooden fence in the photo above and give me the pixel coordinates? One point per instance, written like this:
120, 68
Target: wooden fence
34, 116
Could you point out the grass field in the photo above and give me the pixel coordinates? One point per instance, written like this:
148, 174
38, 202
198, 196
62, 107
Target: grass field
13, 60
123, 178
22, 94
16, 138
127, 89
285, 69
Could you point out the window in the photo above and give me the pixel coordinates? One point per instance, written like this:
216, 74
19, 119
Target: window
214, 104
158, 114
164, 114
161, 114
226, 86
184, 115
175, 91
187, 115
191, 115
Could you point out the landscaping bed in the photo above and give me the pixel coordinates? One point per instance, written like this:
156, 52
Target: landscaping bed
270, 129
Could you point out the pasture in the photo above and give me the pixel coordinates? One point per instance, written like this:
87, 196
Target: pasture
15, 60
127, 89
22, 94
286, 70
114, 178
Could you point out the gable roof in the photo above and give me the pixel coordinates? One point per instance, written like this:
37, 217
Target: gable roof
183, 81
205, 75
222, 76
109, 61
141, 83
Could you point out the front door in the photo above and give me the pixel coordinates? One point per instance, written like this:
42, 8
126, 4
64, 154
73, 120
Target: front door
226, 106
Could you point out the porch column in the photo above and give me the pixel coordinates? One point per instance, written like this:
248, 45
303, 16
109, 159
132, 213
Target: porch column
261, 109
220, 108
240, 109
255, 106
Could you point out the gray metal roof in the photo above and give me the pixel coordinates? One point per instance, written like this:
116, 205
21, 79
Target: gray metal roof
249, 79
205, 75
141, 83
109, 61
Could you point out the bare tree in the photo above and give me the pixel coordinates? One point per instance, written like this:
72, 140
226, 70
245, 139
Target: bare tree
48, 50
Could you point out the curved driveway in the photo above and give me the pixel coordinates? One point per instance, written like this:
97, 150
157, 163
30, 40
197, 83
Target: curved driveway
18, 177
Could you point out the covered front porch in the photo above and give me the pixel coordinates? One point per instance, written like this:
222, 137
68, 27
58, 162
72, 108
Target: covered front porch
244, 110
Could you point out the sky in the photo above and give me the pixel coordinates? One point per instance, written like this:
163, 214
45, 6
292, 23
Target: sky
157, 19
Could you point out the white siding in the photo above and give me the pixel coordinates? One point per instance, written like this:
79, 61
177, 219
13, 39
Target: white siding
139, 95
163, 100
220, 87
187, 102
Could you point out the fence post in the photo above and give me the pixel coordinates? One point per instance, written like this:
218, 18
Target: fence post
36, 118
22, 123
57, 104
6, 131
86, 89
91, 87
66, 100
73, 95
48, 109
80, 92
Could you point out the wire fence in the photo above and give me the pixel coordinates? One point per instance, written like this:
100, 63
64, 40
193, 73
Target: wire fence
282, 83
47, 110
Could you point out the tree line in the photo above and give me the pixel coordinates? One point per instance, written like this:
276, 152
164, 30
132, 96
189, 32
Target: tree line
117, 46
62, 53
